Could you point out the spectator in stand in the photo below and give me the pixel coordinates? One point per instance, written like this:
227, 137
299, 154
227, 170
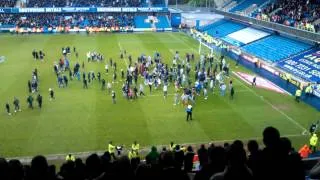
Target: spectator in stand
217, 163
153, 156
254, 155
278, 160
3, 168
122, 169
294, 169
83, 3
203, 155
7, 3
298, 13
178, 156
188, 159
40, 169
53, 20
170, 170
93, 166
236, 167
15, 170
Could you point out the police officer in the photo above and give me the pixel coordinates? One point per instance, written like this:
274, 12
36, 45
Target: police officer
111, 149
172, 146
189, 112
298, 95
135, 147
313, 142
132, 154
70, 157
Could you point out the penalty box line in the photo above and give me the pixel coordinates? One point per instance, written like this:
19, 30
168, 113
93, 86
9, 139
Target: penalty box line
304, 130
145, 149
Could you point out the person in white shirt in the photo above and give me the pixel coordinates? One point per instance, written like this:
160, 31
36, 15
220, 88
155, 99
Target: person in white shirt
176, 98
223, 88
211, 85
106, 68
165, 91
205, 93
141, 90
181, 70
184, 78
109, 87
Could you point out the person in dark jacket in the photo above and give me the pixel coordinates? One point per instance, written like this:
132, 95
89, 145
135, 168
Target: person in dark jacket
178, 156
188, 159
203, 155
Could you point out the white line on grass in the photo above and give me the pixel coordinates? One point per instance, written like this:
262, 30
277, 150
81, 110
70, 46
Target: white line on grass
61, 156
273, 107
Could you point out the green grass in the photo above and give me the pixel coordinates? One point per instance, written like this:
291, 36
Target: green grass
85, 120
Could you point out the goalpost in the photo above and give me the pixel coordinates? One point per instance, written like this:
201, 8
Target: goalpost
204, 48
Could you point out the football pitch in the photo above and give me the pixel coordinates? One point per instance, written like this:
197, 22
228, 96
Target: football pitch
80, 120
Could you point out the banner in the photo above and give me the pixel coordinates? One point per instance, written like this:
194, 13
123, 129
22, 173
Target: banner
305, 65
83, 9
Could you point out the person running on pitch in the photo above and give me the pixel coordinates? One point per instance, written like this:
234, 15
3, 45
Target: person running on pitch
16, 104
232, 93
51, 92
113, 97
165, 91
103, 84
30, 101
39, 99
8, 109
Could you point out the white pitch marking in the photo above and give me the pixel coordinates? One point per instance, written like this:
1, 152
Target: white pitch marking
274, 107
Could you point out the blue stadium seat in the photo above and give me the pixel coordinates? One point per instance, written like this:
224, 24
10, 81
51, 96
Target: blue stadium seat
214, 24
275, 48
222, 28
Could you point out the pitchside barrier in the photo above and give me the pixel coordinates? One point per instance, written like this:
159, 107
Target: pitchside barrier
276, 75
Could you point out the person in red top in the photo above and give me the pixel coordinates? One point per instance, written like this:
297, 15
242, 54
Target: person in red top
305, 151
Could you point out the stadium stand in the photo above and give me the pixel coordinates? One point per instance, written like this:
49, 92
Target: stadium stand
277, 160
296, 13
94, 3
242, 5
275, 48
222, 28
163, 22
7, 3
71, 19
140, 22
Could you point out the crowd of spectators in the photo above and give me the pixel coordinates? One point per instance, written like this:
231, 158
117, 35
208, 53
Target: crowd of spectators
296, 13
80, 20
7, 3
277, 160
85, 3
